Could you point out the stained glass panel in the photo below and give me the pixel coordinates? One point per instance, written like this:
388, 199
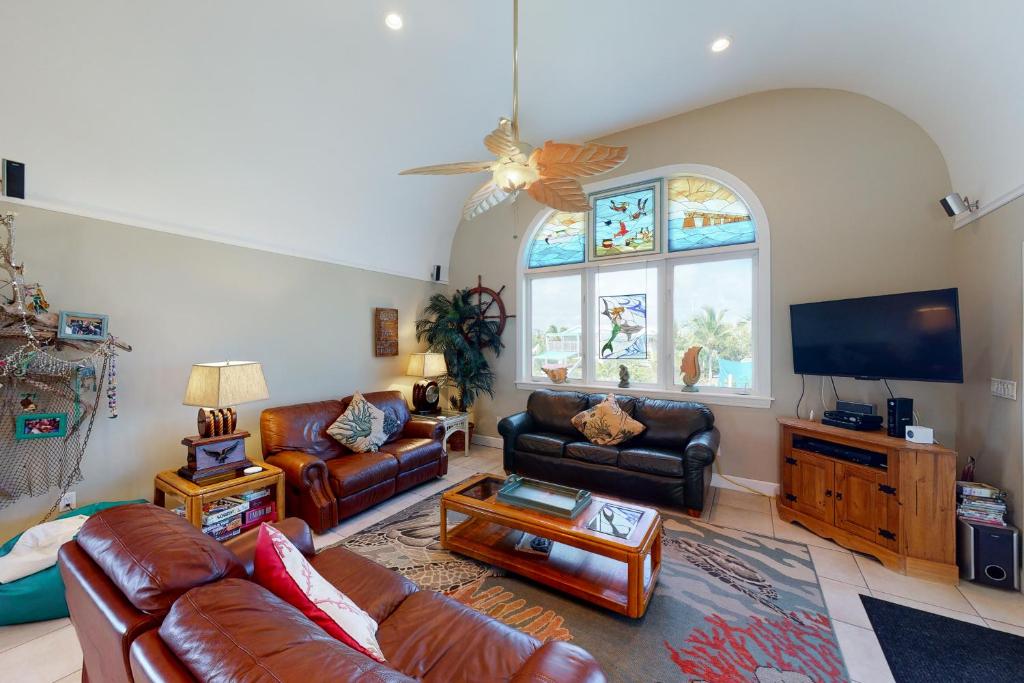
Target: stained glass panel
623, 327
560, 241
625, 222
703, 214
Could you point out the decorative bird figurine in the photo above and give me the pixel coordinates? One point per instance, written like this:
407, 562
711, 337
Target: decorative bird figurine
548, 174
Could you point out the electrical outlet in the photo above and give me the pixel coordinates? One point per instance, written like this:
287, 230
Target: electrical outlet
69, 501
1004, 388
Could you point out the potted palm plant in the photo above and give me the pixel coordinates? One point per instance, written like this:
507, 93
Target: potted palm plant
455, 327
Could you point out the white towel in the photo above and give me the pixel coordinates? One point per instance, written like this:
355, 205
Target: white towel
37, 548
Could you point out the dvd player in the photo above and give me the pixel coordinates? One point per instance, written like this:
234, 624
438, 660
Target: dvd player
848, 420
859, 456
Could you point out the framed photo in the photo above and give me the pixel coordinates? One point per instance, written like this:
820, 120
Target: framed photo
82, 326
40, 425
626, 221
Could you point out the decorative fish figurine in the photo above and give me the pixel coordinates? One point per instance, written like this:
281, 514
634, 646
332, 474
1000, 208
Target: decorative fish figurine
690, 367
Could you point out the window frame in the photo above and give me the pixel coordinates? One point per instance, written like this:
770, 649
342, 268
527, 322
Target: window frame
759, 251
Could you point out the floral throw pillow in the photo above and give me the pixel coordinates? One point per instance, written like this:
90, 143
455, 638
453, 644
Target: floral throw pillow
606, 424
360, 427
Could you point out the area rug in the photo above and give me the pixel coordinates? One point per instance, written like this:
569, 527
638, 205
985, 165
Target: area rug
730, 606
921, 646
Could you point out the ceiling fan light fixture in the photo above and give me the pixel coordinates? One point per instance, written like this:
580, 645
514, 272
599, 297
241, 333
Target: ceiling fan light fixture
512, 176
393, 21
721, 44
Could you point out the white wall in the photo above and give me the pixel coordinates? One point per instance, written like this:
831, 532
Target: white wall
180, 301
850, 187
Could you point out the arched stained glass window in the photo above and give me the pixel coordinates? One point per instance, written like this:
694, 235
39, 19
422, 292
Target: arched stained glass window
703, 214
559, 241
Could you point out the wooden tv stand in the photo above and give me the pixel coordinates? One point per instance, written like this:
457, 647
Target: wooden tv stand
904, 514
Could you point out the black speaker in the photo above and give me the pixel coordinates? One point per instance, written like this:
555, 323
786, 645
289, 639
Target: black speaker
989, 554
900, 415
14, 179
435, 273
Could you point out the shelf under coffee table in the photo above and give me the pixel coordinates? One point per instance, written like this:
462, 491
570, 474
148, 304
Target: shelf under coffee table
618, 574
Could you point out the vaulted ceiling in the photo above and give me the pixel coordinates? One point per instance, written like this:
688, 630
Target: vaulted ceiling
283, 125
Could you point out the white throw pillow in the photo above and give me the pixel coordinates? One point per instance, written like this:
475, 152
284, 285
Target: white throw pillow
360, 427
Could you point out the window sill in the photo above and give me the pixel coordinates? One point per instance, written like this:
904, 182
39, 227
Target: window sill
708, 397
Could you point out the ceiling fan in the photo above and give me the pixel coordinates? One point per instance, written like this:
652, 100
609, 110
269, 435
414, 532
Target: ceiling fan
548, 174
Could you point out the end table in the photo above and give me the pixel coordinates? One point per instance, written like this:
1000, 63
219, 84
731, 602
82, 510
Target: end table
196, 495
452, 421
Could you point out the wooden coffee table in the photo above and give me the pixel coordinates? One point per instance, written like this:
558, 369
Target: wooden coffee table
615, 573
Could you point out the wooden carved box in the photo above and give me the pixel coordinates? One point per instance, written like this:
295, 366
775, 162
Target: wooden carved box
385, 331
214, 455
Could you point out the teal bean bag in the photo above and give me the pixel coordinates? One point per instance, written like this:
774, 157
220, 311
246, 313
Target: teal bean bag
40, 596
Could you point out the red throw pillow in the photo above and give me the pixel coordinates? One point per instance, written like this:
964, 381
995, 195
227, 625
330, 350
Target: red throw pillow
282, 569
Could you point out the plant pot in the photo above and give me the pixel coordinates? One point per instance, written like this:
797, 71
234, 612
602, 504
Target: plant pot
457, 441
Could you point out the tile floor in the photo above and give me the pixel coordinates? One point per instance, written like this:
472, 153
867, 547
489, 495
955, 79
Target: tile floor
48, 652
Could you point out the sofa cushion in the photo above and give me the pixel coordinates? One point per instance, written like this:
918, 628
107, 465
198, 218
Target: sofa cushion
434, 638
301, 427
361, 427
353, 473
413, 453
592, 452
651, 461
283, 570
544, 443
376, 589
153, 556
607, 424
671, 423
239, 631
552, 411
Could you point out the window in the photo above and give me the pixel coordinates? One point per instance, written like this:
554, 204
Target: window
669, 260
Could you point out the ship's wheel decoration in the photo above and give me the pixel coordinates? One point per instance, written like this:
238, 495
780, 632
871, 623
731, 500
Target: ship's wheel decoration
489, 304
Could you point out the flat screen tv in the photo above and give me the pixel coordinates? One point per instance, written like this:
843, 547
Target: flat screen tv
913, 336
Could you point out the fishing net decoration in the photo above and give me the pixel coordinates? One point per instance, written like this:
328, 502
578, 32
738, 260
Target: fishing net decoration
43, 375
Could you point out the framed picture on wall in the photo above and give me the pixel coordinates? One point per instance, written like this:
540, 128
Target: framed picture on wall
385, 332
625, 221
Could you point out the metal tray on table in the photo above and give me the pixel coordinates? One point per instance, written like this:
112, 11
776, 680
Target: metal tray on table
551, 499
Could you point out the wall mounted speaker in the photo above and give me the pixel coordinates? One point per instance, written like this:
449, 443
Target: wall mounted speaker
13, 179
435, 273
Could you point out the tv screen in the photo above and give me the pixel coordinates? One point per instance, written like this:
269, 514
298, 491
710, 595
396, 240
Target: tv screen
914, 336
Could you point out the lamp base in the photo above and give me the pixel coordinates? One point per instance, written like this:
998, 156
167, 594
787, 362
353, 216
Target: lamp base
216, 421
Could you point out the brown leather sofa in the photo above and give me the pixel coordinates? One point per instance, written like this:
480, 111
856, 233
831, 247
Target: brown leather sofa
154, 600
669, 463
327, 482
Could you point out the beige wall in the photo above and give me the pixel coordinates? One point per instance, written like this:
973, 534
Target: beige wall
850, 187
988, 269
179, 301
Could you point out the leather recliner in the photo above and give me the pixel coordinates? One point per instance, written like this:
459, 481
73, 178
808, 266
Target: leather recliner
325, 481
152, 599
669, 463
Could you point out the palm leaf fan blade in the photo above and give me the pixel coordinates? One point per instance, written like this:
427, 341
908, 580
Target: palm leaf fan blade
450, 169
500, 141
486, 197
562, 194
564, 160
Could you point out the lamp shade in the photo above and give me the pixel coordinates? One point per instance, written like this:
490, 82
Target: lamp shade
426, 365
222, 385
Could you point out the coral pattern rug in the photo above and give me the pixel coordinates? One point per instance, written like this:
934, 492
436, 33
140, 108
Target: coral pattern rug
730, 605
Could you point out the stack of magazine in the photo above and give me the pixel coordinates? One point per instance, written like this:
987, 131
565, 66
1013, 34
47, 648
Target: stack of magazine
230, 516
980, 503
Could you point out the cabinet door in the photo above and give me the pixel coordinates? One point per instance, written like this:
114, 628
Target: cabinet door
808, 485
862, 503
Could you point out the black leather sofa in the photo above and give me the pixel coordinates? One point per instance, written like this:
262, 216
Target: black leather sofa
669, 463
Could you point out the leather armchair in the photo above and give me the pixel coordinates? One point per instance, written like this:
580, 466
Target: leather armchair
669, 463
326, 482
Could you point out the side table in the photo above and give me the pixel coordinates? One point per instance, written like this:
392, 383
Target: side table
452, 421
196, 495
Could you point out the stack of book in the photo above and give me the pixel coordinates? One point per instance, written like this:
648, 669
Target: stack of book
980, 503
228, 517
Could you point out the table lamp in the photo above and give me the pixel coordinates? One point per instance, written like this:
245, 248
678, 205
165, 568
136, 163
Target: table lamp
216, 388
425, 393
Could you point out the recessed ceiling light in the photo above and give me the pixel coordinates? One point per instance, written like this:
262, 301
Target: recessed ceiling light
721, 44
393, 21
